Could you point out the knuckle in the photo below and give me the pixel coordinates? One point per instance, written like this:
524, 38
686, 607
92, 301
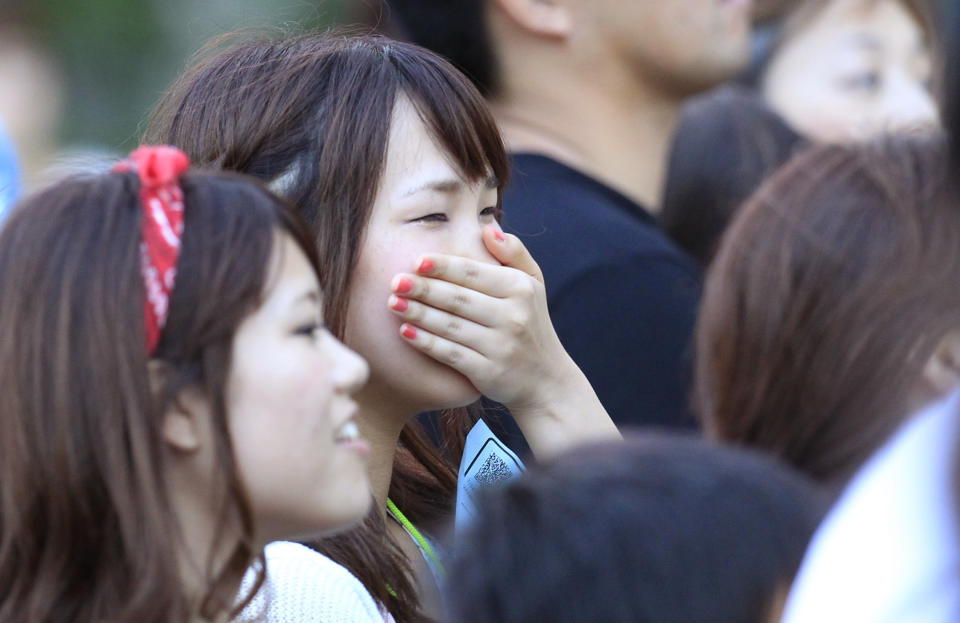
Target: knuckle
526, 290
454, 325
460, 301
427, 343
471, 274
452, 356
517, 323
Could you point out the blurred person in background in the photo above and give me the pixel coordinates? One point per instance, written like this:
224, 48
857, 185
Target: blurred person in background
830, 312
587, 94
9, 174
727, 143
653, 528
890, 548
828, 70
844, 70
30, 103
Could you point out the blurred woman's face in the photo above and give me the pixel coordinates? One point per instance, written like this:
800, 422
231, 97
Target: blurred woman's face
858, 68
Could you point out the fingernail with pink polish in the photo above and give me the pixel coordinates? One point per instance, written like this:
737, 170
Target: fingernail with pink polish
499, 235
426, 266
409, 332
398, 304
402, 285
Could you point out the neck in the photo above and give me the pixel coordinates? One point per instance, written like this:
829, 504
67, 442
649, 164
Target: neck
380, 423
199, 534
617, 129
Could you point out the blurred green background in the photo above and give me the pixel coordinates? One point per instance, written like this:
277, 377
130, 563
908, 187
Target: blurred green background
82, 75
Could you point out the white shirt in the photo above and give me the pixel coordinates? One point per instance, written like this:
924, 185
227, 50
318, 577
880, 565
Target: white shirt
889, 552
304, 585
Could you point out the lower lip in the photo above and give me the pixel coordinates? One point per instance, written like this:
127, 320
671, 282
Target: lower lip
359, 446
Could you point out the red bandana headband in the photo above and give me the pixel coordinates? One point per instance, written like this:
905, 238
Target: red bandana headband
159, 169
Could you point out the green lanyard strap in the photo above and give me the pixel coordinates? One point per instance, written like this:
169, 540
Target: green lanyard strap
418, 538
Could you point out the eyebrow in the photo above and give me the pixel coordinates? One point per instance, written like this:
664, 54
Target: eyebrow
866, 40
310, 296
451, 185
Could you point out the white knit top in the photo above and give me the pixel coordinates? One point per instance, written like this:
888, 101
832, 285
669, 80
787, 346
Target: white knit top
304, 585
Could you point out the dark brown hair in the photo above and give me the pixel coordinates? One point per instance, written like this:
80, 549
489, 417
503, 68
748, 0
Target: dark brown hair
726, 144
311, 114
652, 528
830, 292
87, 530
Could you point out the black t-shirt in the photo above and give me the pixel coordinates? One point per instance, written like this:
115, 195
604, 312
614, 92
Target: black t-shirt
622, 296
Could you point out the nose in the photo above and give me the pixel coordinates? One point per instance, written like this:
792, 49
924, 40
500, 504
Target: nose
468, 242
910, 105
350, 370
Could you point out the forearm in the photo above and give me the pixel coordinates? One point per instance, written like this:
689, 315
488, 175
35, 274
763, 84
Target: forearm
565, 413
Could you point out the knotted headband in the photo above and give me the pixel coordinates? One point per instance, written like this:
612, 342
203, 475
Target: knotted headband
159, 169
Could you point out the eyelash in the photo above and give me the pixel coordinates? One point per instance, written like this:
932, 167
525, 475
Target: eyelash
436, 217
440, 217
309, 330
868, 81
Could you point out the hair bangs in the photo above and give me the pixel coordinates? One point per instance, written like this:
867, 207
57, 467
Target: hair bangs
457, 117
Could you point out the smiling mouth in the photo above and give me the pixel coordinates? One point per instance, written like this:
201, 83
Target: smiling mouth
347, 432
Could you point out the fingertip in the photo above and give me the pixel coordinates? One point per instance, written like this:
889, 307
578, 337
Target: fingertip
398, 303
401, 284
497, 233
425, 266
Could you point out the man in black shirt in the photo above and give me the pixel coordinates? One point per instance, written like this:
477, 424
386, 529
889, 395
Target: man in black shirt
587, 94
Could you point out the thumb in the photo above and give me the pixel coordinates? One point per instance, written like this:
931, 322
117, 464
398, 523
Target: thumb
509, 251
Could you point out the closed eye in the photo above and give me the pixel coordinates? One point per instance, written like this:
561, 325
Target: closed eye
490, 212
436, 217
308, 330
865, 82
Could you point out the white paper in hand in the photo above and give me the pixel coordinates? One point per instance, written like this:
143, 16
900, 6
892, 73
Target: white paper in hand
486, 461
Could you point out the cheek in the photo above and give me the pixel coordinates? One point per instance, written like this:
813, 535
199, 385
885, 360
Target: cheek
371, 328
809, 100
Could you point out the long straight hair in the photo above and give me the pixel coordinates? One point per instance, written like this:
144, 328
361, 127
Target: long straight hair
830, 292
311, 115
87, 528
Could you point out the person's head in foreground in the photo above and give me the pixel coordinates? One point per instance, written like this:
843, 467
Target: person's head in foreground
853, 69
170, 399
830, 311
656, 528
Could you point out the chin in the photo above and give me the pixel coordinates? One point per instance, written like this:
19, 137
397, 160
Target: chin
437, 386
350, 516
445, 388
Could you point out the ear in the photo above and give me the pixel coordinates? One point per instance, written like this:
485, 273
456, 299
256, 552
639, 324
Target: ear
181, 422
547, 18
942, 371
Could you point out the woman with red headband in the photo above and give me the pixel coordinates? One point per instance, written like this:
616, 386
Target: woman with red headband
170, 400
